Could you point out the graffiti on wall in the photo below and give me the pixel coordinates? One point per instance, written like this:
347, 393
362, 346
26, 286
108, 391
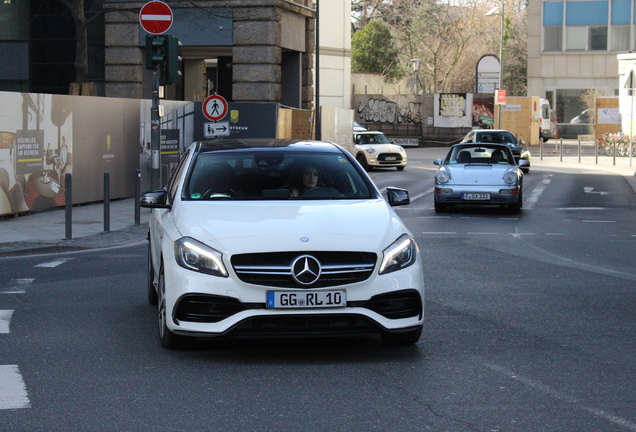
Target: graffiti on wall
386, 111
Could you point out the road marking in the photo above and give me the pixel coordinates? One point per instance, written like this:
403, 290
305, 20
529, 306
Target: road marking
482, 233
55, 263
439, 232
16, 286
581, 208
591, 190
599, 221
519, 234
5, 320
554, 234
545, 389
529, 203
13, 394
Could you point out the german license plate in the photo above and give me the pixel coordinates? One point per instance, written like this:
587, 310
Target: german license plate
476, 196
391, 158
306, 299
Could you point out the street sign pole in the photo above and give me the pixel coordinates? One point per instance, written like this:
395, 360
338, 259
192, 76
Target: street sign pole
155, 134
155, 17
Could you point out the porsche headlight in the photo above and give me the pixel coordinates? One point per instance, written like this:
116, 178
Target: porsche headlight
401, 254
442, 176
194, 255
510, 177
370, 150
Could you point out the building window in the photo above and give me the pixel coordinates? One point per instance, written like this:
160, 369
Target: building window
576, 38
598, 38
620, 38
553, 39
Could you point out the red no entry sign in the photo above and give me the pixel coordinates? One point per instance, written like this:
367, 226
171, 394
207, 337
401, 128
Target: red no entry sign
155, 17
215, 107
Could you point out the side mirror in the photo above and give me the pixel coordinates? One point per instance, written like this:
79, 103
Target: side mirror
437, 162
391, 140
155, 199
397, 196
523, 163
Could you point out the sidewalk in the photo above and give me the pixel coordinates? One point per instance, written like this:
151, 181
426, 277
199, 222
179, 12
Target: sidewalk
45, 231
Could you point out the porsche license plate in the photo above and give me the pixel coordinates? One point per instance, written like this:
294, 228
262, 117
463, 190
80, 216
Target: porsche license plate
306, 299
476, 196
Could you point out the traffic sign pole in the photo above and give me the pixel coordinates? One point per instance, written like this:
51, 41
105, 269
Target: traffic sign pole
155, 17
155, 134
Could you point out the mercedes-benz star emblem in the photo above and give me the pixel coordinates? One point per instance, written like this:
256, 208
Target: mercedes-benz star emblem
306, 270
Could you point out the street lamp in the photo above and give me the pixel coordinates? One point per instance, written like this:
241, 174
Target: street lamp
495, 12
416, 67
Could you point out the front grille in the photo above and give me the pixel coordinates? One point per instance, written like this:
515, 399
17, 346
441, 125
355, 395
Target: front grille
275, 269
305, 325
382, 158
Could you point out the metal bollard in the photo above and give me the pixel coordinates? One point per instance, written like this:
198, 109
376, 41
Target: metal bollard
596, 146
579, 150
137, 196
541, 148
68, 205
561, 143
106, 202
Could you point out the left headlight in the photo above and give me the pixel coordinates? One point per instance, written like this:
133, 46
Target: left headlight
194, 255
510, 177
401, 254
370, 150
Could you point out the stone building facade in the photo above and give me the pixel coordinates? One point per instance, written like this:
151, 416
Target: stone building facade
246, 51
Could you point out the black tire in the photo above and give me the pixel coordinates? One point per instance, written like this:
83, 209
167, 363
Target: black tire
439, 207
516, 207
153, 299
400, 168
404, 338
363, 161
168, 339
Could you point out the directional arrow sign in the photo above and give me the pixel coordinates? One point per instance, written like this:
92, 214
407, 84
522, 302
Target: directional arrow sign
213, 130
591, 190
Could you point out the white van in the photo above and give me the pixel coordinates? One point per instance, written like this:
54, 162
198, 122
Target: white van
547, 120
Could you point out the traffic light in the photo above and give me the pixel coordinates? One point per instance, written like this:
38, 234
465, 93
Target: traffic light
173, 60
155, 51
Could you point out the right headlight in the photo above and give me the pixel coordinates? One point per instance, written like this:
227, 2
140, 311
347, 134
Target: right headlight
196, 256
510, 177
442, 176
401, 254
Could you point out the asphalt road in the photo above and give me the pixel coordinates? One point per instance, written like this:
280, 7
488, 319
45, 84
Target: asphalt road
529, 327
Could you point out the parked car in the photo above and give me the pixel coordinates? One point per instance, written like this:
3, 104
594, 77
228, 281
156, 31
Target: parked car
374, 149
280, 238
479, 174
519, 150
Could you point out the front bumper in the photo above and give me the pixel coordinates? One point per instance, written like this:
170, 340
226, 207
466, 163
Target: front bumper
207, 306
386, 160
457, 194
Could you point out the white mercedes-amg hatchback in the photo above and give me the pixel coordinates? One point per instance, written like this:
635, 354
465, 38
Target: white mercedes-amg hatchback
279, 238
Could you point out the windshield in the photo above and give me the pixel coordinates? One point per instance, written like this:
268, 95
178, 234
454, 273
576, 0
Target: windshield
496, 137
274, 175
479, 154
377, 138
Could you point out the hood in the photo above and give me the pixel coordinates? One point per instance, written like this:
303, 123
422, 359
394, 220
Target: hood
265, 226
477, 174
382, 148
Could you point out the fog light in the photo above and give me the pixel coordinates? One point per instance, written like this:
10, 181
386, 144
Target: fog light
509, 191
444, 191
